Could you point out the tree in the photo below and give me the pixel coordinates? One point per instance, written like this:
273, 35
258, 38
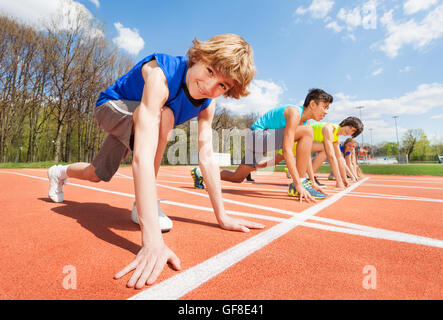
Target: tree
49, 83
410, 139
388, 149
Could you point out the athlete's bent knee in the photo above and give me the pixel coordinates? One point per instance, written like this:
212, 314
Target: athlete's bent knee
91, 174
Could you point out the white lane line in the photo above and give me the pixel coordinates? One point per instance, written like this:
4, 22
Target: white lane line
418, 179
398, 186
393, 197
255, 206
301, 217
329, 191
336, 225
179, 285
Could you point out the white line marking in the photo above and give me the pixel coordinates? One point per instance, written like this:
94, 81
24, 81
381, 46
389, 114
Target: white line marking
177, 286
329, 191
346, 227
298, 219
300, 216
398, 186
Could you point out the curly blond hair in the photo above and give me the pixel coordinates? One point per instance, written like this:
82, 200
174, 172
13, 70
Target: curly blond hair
230, 55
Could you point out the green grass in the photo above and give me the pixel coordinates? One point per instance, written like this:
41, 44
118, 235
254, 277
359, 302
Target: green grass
397, 169
400, 169
405, 169
14, 165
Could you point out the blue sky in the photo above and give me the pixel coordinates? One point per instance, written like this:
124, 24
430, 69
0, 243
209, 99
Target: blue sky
383, 55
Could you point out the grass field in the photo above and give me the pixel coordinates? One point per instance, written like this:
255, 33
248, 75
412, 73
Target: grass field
400, 169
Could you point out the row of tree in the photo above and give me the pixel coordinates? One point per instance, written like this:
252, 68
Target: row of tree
49, 83
414, 143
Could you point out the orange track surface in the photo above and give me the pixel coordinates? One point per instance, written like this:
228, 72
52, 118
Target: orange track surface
323, 258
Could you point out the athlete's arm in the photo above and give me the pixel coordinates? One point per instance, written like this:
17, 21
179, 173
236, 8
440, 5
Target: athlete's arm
328, 137
154, 254
349, 167
292, 117
211, 174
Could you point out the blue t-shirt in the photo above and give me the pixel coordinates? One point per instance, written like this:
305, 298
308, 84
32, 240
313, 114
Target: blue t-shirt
275, 118
130, 87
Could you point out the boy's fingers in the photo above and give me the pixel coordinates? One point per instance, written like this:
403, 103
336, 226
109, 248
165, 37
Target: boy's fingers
251, 224
133, 281
255, 225
143, 276
158, 268
126, 269
175, 262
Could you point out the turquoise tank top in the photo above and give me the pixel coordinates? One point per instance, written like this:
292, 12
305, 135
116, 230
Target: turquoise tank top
275, 118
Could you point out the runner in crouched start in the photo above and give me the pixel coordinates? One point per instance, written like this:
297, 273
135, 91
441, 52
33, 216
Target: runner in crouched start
282, 125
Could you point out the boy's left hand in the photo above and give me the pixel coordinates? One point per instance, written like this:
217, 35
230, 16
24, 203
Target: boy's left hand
235, 224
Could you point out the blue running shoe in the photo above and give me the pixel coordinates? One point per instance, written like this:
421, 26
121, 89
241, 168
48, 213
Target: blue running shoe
198, 178
292, 192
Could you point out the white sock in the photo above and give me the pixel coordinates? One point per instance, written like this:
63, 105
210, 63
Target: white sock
62, 170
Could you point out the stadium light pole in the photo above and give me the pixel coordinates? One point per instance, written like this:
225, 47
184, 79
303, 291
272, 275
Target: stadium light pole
360, 108
370, 130
396, 132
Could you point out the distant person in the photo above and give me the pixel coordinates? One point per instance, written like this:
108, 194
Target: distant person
350, 150
326, 143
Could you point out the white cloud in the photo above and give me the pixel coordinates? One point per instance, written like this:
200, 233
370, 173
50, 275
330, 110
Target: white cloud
419, 101
365, 16
128, 39
96, 3
417, 34
264, 96
318, 8
413, 6
406, 69
377, 72
377, 114
350, 36
334, 26
369, 15
41, 13
351, 18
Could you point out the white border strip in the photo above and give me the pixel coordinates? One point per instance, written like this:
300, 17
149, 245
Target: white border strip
179, 285
345, 227
298, 219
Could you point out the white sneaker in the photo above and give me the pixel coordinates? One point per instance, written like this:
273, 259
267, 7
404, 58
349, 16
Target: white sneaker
165, 222
55, 184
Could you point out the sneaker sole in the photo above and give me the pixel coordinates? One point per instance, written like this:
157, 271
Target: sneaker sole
194, 178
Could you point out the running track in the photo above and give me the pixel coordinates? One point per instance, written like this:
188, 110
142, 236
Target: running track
382, 238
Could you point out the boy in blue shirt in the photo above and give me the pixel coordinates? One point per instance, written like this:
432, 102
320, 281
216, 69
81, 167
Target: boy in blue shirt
139, 110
